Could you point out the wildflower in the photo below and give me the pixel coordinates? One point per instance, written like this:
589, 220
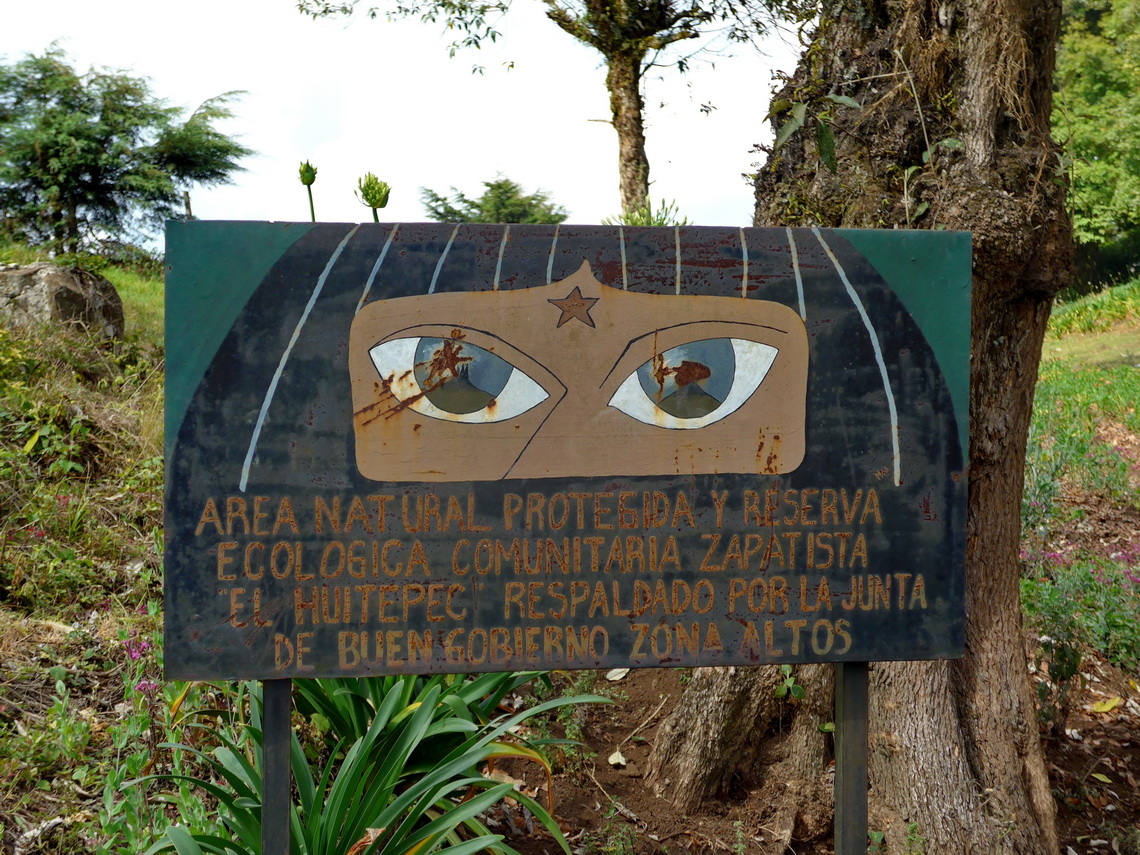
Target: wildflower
136, 647
374, 193
147, 687
308, 174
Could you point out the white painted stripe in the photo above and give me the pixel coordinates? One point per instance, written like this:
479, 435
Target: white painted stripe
624, 272
442, 258
550, 261
799, 278
271, 391
878, 355
502, 249
744, 275
376, 269
677, 251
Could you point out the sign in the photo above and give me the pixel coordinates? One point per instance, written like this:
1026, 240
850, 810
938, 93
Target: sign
434, 448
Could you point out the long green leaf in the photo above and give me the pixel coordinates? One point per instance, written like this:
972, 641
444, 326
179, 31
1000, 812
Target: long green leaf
787, 129
183, 843
427, 837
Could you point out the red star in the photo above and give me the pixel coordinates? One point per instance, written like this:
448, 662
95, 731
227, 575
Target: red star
574, 305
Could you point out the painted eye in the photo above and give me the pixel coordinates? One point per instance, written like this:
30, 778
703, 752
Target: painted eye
694, 384
454, 380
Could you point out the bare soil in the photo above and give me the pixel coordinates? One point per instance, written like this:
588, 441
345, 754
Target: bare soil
607, 807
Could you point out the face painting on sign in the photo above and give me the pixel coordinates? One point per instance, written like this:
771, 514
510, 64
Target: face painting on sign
576, 379
428, 447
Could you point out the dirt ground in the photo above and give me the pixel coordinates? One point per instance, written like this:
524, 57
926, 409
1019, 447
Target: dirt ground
608, 808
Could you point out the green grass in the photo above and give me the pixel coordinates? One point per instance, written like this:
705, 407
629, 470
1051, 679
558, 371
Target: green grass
142, 295
1098, 311
1088, 391
1073, 402
1089, 598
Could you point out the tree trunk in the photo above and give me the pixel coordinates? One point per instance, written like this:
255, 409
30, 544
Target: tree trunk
623, 80
954, 745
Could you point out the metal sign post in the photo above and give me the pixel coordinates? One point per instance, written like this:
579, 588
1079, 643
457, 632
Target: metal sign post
851, 714
276, 777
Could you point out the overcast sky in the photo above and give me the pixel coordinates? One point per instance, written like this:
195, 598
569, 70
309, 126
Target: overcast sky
360, 95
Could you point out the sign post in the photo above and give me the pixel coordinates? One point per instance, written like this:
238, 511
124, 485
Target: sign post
851, 714
277, 699
430, 448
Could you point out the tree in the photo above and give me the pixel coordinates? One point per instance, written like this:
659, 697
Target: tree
962, 93
631, 36
1097, 113
503, 201
96, 156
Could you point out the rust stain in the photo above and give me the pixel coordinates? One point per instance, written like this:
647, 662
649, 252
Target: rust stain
772, 464
760, 451
684, 374
446, 360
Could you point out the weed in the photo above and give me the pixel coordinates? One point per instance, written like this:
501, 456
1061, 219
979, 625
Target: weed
914, 843
1080, 599
789, 688
615, 837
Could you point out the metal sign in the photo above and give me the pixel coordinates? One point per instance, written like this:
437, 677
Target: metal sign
434, 448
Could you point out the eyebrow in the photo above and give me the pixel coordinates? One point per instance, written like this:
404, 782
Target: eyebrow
636, 339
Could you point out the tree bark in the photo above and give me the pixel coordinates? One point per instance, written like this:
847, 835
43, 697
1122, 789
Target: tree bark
623, 80
954, 745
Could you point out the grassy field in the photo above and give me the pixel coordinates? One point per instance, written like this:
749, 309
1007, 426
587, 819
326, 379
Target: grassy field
1082, 484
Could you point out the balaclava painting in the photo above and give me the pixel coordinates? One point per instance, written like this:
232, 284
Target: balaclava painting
429, 447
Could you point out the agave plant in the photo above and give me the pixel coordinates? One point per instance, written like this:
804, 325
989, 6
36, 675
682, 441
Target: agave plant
409, 784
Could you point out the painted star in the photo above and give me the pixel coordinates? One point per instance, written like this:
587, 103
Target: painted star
574, 305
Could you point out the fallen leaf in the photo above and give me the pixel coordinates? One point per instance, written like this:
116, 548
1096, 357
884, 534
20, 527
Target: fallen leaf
616, 759
1104, 779
1107, 705
500, 775
616, 674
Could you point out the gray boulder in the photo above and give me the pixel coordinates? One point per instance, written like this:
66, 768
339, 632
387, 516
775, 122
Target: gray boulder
48, 294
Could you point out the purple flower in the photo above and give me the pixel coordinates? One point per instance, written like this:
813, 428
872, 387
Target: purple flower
136, 647
147, 687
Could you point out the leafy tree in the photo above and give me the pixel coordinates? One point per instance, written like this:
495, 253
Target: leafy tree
97, 156
1097, 114
631, 36
503, 201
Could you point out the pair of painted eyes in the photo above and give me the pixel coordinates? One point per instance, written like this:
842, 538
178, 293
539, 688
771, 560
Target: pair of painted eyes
686, 387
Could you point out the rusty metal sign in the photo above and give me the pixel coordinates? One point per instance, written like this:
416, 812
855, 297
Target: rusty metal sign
435, 448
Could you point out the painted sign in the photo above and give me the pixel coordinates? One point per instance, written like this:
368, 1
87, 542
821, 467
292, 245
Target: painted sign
435, 448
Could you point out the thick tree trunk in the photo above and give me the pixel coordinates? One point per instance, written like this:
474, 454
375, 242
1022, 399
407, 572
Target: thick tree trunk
623, 80
954, 745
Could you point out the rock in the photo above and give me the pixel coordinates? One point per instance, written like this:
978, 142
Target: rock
46, 294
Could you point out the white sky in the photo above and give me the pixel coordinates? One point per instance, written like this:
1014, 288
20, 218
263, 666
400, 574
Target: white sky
362, 95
